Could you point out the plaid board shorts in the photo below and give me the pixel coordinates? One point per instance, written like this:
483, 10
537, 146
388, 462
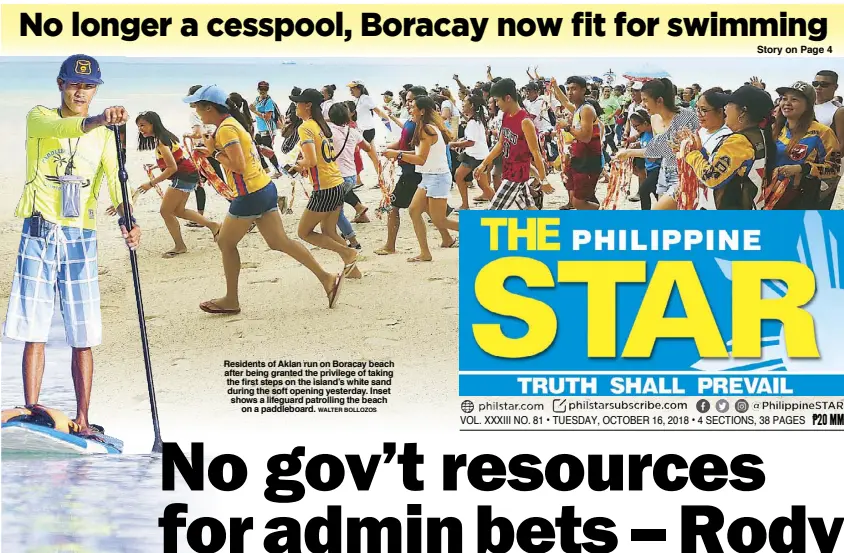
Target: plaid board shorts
63, 260
512, 195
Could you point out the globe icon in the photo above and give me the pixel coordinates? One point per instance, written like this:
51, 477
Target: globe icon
467, 406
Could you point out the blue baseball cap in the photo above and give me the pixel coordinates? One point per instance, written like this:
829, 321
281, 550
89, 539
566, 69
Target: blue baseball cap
80, 68
210, 93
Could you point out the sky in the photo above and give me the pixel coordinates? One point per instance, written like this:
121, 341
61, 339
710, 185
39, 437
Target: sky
24, 72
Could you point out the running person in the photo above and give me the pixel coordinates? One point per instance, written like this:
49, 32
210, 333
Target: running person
68, 153
474, 140
669, 123
256, 201
364, 104
318, 162
327, 98
196, 134
640, 122
177, 167
430, 140
585, 166
346, 141
496, 116
518, 145
409, 179
267, 119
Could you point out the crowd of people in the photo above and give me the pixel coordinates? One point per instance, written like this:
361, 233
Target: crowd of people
688, 149
733, 148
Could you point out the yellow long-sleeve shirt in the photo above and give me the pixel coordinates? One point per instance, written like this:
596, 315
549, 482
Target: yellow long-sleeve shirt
51, 142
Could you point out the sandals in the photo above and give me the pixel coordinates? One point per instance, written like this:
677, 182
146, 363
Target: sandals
357, 218
383, 251
349, 267
211, 307
171, 254
454, 244
334, 294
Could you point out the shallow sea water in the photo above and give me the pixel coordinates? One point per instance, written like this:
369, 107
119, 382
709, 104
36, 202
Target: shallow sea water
73, 504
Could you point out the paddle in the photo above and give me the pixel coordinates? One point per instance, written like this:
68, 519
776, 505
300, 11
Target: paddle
133, 258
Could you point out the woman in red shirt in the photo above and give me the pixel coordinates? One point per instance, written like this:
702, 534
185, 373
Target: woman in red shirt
177, 167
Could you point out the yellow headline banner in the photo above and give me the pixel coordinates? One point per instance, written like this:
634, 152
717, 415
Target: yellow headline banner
419, 30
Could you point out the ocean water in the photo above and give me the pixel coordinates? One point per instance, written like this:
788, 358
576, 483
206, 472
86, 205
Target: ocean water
73, 503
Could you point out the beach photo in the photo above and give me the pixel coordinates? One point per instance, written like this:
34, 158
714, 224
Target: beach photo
295, 211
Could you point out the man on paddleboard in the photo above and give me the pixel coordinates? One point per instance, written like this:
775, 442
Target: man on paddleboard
68, 154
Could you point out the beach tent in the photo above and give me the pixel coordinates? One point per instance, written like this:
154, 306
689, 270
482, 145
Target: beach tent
646, 72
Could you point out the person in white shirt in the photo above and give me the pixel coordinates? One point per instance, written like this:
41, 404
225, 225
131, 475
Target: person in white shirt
197, 130
830, 113
449, 111
496, 117
476, 150
346, 140
386, 109
328, 99
364, 104
713, 129
430, 141
537, 107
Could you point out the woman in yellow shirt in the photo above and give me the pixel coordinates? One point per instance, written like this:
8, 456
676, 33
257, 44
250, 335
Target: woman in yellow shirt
319, 163
256, 201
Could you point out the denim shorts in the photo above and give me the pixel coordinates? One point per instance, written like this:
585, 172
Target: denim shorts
183, 185
255, 204
436, 185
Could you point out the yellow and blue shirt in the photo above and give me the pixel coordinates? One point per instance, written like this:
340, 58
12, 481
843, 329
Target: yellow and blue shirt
254, 178
326, 173
818, 147
51, 142
735, 171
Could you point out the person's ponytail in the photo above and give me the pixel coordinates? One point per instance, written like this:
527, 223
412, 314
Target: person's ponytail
316, 115
240, 111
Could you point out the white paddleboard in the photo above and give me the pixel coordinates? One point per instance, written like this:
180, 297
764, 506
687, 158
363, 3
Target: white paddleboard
24, 437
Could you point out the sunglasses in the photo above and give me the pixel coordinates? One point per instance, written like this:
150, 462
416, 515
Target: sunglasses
821, 84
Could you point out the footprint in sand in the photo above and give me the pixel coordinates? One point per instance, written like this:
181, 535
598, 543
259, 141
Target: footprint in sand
102, 271
248, 265
389, 322
266, 280
380, 342
443, 279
